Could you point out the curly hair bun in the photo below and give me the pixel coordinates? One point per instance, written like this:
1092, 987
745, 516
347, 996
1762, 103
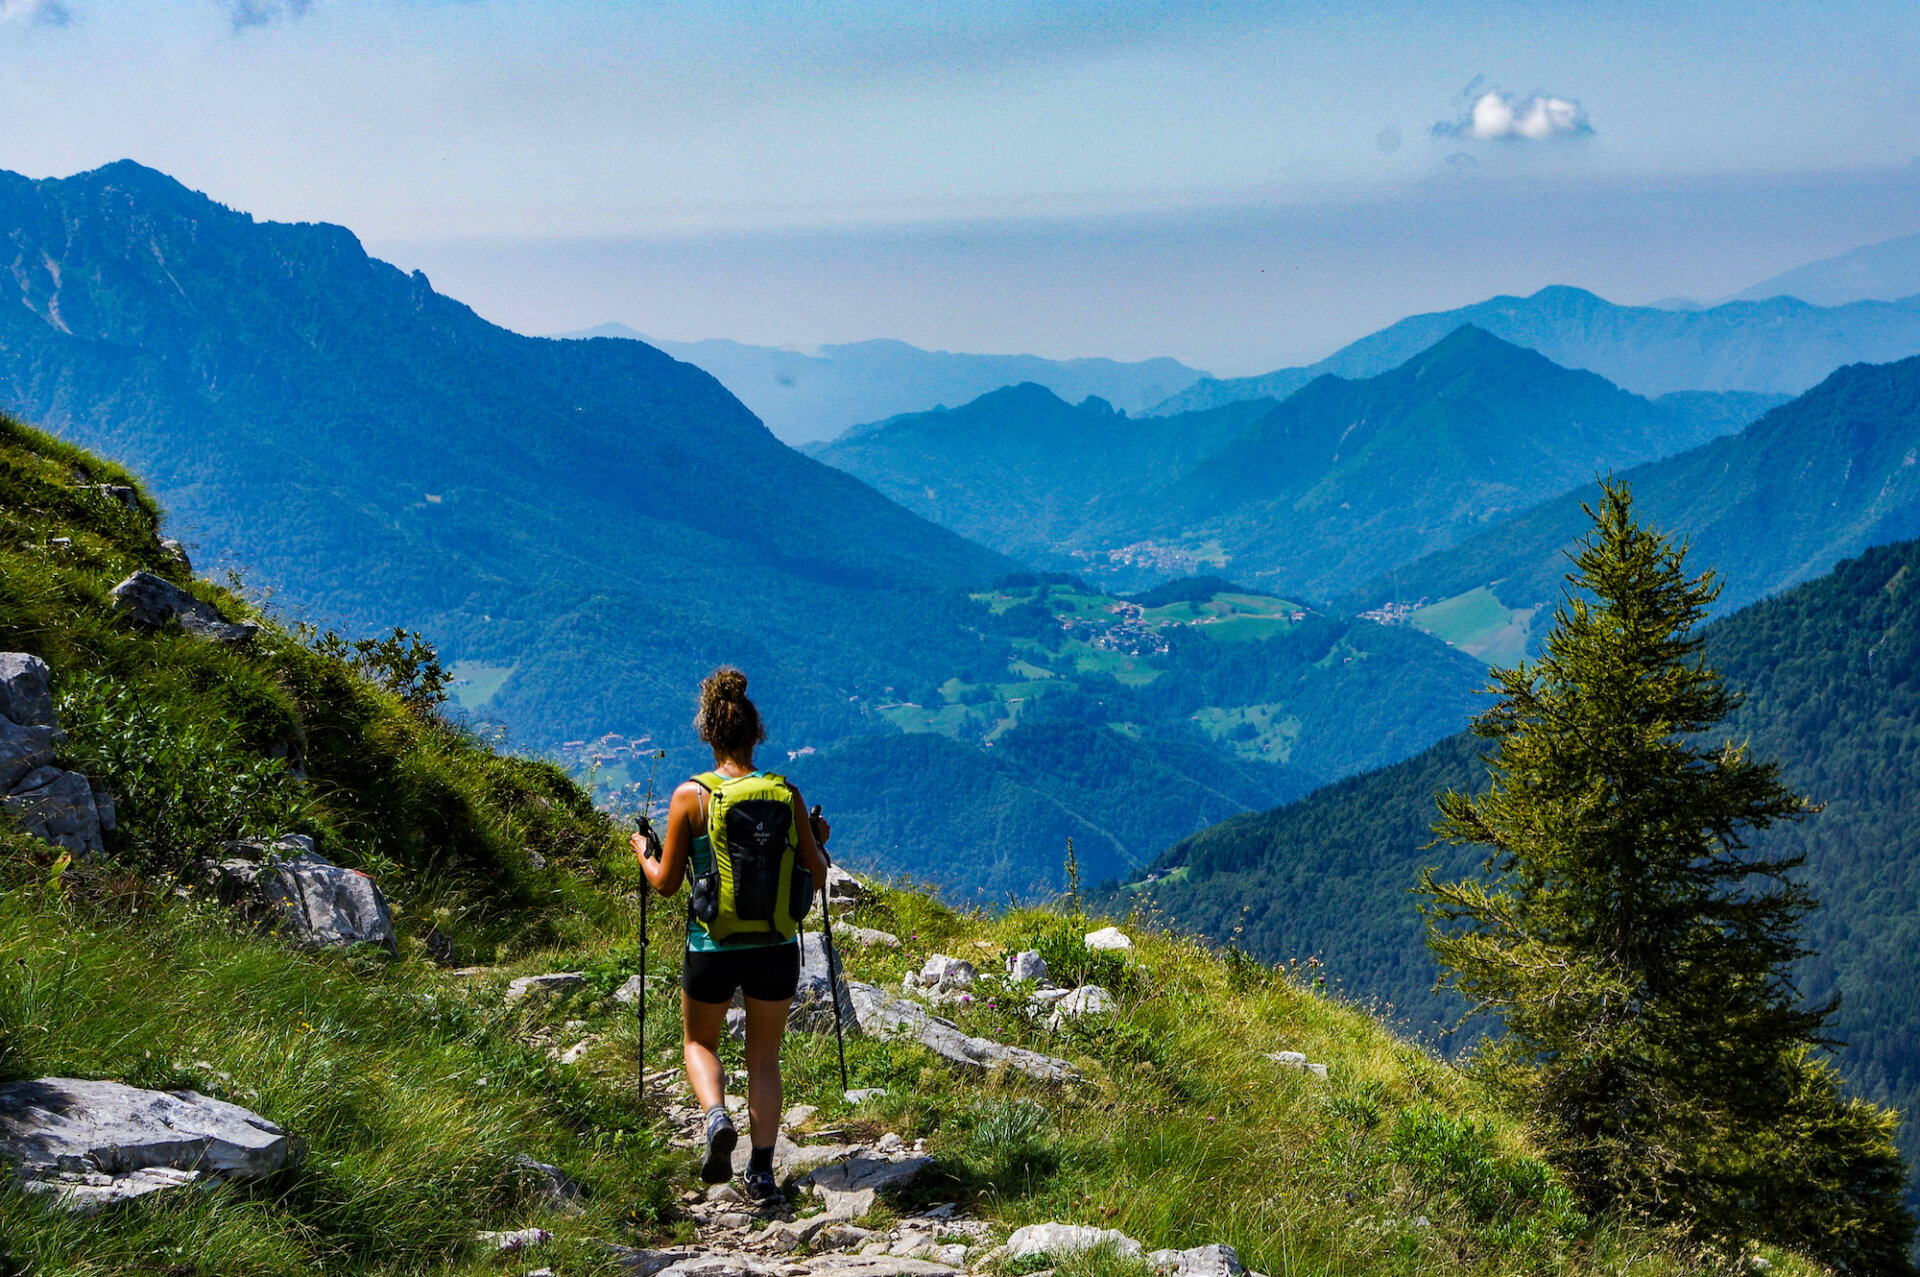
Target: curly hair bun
726, 719
724, 684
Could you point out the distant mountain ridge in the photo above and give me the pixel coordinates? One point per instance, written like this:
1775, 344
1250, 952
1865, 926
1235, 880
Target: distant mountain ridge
1887, 271
1811, 482
1779, 346
1310, 496
807, 397
1024, 471
1344, 476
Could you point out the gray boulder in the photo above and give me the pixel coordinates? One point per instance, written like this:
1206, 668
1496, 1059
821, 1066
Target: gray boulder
812, 1008
26, 690
91, 1144
290, 886
553, 982
57, 806
153, 601
1059, 1240
119, 493
24, 748
844, 891
849, 1187
880, 1014
1027, 965
1201, 1261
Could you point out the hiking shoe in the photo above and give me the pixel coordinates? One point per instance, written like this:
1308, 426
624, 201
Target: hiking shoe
761, 1187
721, 1137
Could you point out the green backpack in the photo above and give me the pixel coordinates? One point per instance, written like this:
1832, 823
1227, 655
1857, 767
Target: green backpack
750, 885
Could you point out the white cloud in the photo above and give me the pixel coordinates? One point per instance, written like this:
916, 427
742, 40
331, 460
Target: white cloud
1495, 115
46, 13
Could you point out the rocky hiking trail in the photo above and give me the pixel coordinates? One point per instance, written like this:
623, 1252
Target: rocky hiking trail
836, 1183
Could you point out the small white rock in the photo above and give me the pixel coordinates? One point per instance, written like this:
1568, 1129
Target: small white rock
518, 1239
1108, 939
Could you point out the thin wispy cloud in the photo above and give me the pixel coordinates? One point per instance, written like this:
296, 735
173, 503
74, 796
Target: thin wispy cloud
45, 13
260, 13
1494, 115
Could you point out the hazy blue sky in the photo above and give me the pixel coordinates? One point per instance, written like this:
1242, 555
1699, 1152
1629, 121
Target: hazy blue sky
1239, 185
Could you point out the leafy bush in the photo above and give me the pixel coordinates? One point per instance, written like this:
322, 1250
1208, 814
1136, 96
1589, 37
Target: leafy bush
1511, 1202
182, 783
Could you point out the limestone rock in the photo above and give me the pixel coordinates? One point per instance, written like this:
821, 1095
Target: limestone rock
553, 982
1027, 965
1297, 1060
119, 493
875, 1266
1201, 1261
943, 979
321, 904
177, 552
1088, 999
1059, 1240
629, 993
24, 748
879, 1014
153, 601
812, 1008
94, 1143
1108, 939
862, 1094
57, 806
865, 937
26, 693
844, 891
849, 1187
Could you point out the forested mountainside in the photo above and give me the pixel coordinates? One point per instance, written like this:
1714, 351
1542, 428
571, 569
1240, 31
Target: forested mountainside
1815, 480
1345, 477
1024, 471
1306, 497
1832, 673
814, 395
1123, 722
1779, 346
605, 521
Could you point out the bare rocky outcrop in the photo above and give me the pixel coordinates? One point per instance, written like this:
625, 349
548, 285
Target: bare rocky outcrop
153, 601
68, 809
91, 1144
880, 1014
289, 886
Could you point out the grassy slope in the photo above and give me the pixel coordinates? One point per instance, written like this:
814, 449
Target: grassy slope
412, 1088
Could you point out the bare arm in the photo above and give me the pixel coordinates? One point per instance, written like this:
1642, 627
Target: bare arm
685, 821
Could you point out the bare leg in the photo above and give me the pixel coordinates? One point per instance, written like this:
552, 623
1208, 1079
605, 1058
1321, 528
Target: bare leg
701, 1023
766, 1024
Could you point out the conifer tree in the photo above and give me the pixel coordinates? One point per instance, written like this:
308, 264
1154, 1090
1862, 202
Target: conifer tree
1637, 949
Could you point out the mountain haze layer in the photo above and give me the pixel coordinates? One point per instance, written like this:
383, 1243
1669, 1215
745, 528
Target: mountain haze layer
1779, 346
1887, 271
805, 396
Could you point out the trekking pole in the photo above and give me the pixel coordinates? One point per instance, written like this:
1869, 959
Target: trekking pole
833, 981
645, 828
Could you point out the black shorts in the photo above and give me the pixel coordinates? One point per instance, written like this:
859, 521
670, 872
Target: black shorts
764, 972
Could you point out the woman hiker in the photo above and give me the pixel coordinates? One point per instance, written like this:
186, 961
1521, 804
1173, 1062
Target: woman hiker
741, 929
